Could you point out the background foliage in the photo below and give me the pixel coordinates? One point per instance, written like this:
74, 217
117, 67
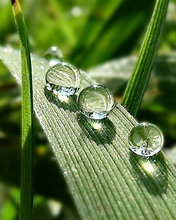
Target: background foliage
89, 33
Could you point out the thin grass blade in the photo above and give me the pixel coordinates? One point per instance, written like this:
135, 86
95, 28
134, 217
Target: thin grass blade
26, 202
140, 77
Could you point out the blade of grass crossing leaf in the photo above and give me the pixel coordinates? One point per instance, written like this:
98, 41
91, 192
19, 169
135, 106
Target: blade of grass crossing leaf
140, 77
26, 201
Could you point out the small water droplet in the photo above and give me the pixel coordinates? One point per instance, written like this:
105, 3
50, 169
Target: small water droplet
96, 102
146, 139
54, 55
63, 79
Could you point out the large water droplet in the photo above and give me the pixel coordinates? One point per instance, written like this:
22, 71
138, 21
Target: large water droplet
96, 102
54, 55
146, 139
63, 79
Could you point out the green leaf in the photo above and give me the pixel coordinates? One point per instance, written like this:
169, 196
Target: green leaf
139, 80
171, 154
106, 180
26, 200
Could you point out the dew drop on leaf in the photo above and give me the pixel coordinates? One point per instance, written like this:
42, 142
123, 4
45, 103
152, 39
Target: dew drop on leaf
63, 79
54, 55
96, 101
146, 139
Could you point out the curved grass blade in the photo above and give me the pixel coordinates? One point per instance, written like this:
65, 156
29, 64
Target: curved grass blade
96, 22
26, 201
96, 45
140, 77
105, 179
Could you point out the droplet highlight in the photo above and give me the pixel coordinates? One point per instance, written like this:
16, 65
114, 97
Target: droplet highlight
54, 55
95, 102
63, 79
146, 139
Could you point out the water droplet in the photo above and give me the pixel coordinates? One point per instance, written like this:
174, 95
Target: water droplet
63, 79
146, 139
54, 55
95, 102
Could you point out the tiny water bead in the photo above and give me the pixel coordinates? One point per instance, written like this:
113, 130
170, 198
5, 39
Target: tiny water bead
63, 79
54, 55
96, 102
146, 139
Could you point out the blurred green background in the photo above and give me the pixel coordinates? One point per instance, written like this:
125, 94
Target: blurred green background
90, 33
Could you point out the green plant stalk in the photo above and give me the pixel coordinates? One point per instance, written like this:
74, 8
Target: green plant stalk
26, 200
140, 77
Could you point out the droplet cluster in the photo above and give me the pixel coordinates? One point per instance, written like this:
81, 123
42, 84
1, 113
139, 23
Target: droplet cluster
95, 102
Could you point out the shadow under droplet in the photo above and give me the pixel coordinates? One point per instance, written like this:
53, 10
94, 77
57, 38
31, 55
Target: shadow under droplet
100, 131
66, 103
151, 172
